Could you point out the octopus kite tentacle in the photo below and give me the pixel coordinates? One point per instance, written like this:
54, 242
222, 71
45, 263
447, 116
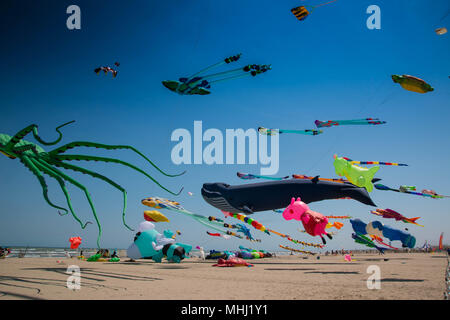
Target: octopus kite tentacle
33, 128
99, 176
86, 192
44, 167
41, 163
77, 157
27, 162
72, 145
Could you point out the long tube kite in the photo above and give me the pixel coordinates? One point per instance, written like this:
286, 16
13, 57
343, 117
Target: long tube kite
316, 178
330, 123
249, 176
272, 132
380, 186
200, 84
296, 250
375, 162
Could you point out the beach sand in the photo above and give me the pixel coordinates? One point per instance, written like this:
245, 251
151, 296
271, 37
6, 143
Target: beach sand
404, 276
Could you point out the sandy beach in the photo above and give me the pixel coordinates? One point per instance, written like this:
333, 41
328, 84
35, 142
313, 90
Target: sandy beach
404, 276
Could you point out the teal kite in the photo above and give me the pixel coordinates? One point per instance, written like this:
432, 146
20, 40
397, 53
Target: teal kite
200, 84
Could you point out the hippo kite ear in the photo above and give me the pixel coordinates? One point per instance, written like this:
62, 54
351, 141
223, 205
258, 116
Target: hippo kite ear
298, 199
292, 200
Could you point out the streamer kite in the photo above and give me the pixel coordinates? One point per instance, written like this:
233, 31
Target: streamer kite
161, 203
249, 176
362, 239
330, 123
405, 189
375, 162
272, 132
391, 214
218, 235
316, 178
197, 84
296, 250
40, 162
262, 228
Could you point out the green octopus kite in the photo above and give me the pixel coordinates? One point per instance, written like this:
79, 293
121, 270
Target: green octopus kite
38, 161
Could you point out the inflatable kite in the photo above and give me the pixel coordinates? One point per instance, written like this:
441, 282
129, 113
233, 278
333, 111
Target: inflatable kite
249, 176
378, 229
210, 222
232, 262
75, 242
40, 162
149, 243
441, 238
411, 83
200, 85
406, 189
155, 216
362, 239
348, 258
107, 69
271, 195
4, 252
302, 12
391, 214
314, 223
330, 123
359, 176
441, 31
272, 132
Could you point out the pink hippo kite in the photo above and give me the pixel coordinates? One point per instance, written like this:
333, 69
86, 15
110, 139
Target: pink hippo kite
313, 222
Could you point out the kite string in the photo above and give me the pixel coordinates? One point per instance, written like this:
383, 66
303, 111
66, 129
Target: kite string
319, 5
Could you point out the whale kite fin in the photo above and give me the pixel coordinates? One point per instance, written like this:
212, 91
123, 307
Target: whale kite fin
315, 179
246, 210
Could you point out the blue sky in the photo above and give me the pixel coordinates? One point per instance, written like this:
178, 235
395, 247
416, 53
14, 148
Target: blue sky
330, 66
